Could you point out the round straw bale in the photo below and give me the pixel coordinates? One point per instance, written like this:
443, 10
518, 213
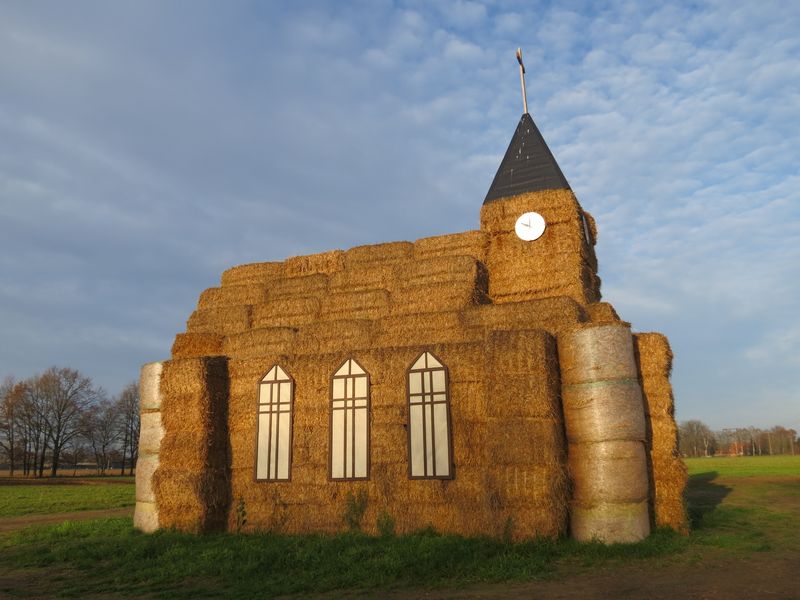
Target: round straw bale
146, 465
145, 517
607, 410
595, 352
610, 523
151, 432
150, 386
608, 472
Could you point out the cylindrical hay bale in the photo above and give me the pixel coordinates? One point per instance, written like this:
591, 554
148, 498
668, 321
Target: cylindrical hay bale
597, 353
146, 465
605, 425
149, 386
612, 523
611, 471
145, 516
604, 410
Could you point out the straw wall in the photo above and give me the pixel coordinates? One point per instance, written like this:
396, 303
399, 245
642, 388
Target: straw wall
604, 416
191, 482
654, 359
498, 486
469, 243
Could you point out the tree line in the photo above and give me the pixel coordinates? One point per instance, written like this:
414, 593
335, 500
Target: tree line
695, 439
60, 419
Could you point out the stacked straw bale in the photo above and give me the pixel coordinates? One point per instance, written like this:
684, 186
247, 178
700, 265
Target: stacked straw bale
151, 432
605, 425
654, 359
560, 263
602, 312
191, 483
253, 273
554, 315
525, 491
527, 484
469, 243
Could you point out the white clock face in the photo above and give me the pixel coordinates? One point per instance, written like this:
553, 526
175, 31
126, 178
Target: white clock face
530, 226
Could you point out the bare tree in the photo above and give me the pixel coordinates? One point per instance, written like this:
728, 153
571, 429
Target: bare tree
65, 395
127, 406
100, 428
695, 438
10, 400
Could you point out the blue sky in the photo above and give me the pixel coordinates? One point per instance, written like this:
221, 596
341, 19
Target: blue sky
147, 146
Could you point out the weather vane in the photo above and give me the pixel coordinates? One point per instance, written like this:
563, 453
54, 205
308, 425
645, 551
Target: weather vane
522, 82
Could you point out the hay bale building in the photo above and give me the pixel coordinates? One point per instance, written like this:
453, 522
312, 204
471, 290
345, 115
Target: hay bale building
472, 382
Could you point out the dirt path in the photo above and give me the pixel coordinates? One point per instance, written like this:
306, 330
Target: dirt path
13, 523
762, 577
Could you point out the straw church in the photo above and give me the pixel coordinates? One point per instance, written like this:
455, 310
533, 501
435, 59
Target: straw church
471, 382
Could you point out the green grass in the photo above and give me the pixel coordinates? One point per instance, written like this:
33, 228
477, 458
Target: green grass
737, 507
18, 500
109, 555
746, 466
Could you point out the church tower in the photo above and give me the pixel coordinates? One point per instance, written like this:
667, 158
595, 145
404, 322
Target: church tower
541, 242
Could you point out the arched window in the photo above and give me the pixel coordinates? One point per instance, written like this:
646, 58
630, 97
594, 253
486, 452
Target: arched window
274, 435
349, 458
429, 436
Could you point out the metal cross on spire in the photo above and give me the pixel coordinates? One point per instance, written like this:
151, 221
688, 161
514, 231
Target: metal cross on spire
522, 82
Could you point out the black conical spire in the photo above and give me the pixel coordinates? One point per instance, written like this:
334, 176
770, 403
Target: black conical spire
528, 165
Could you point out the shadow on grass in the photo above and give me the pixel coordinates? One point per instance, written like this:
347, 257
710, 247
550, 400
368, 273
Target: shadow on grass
703, 496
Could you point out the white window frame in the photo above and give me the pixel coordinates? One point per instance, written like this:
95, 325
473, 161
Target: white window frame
349, 427
275, 411
430, 436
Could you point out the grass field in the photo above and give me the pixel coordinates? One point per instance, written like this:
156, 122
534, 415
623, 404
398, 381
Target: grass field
18, 497
739, 508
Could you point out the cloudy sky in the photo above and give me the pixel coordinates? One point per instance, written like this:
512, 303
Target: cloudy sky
147, 146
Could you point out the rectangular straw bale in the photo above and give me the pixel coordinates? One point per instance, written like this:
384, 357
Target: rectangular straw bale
543, 313
602, 312
515, 353
267, 342
191, 482
524, 440
437, 297
285, 312
389, 253
223, 321
468, 243
653, 353
232, 295
560, 237
468, 400
324, 262
553, 205
535, 395
253, 273
442, 269
304, 286
364, 277
188, 345
193, 391
333, 336
670, 477
355, 305
424, 328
